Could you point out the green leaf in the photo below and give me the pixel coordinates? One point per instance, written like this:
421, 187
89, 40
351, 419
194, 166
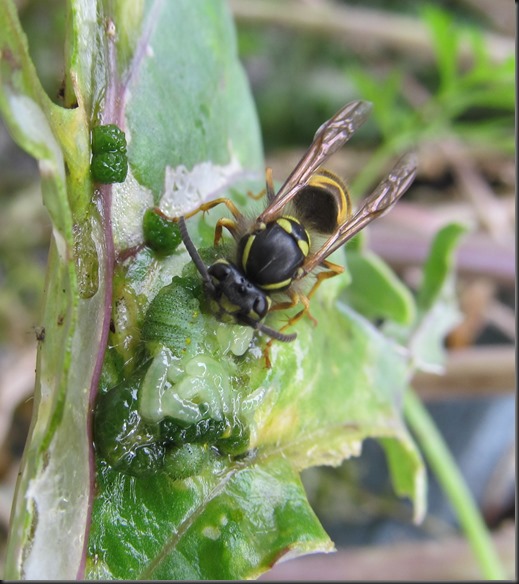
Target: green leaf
439, 265
375, 290
407, 473
487, 83
495, 132
225, 524
168, 76
446, 40
55, 466
187, 101
338, 383
47, 539
388, 113
437, 304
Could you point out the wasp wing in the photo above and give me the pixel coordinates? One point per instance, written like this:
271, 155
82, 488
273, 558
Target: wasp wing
328, 139
385, 195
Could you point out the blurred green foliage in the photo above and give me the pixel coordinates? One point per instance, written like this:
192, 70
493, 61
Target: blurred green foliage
297, 80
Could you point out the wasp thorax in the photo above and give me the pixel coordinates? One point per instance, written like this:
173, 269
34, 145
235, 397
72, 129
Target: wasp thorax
272, 256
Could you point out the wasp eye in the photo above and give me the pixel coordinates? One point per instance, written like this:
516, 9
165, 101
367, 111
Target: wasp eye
219, 271
260, 306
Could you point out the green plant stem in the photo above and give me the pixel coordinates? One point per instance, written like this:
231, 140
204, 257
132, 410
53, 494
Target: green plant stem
450, 478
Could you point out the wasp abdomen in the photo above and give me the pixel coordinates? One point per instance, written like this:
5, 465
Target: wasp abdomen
271, 256
324, 203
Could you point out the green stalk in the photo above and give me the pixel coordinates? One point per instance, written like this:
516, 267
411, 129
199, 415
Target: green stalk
450, 478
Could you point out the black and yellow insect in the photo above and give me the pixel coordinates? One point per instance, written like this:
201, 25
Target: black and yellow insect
303, 223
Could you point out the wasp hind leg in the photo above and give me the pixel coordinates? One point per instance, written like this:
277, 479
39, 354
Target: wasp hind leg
332, 271
268, 190
295, 298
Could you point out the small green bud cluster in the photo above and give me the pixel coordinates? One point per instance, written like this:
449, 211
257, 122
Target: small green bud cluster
161, 234
109, 159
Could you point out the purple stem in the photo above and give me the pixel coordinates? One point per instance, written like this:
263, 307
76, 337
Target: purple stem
113, 114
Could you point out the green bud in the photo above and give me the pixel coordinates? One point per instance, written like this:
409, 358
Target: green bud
108, 138
109, 167
160, 234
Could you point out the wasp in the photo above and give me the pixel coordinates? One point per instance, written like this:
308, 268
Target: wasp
304, 222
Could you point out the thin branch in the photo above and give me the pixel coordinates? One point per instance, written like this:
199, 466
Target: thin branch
478, 254
364, 28
475, 189
500, 13
471, 372
503, 318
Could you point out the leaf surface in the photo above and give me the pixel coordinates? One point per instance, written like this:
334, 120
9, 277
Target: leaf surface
168, 75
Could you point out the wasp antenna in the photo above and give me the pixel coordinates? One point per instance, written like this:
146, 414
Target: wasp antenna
192, 251
275, 334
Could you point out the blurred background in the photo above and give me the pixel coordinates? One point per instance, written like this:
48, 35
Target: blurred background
441, 76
